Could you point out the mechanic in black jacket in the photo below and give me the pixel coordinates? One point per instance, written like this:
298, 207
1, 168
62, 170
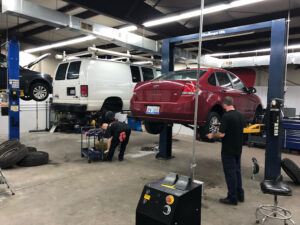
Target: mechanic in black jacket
116, 132
231, 132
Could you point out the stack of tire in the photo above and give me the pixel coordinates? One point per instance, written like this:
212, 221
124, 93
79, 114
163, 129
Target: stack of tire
12, 153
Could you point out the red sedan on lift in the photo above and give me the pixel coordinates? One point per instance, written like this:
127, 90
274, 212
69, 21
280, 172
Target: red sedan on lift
170, 98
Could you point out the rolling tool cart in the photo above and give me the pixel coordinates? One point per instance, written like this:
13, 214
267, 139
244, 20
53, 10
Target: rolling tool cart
91, 147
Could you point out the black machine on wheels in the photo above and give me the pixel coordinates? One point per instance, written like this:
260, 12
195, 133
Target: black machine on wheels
173, 200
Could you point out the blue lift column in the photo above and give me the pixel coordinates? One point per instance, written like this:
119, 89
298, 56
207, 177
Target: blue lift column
13, 89
165, 137
275, 91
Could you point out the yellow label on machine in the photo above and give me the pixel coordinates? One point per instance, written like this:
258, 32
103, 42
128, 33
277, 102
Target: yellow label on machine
147, 197
172, 187
14, 108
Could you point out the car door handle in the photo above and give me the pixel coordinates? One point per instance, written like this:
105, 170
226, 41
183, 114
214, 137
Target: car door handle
223, 90
242, 93
75, 97
56, 96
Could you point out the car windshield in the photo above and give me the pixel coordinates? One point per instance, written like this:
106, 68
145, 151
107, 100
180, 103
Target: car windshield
181, 75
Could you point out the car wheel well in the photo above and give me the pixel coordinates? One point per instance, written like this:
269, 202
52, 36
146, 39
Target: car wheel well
258, 115
114, 104
218, 109
39, 81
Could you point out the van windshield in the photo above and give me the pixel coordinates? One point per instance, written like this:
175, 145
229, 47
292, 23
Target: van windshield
181, 75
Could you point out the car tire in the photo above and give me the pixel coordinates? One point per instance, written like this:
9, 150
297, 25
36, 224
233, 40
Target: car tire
257, 116
34, 159
39, 91
291, 169
153, 127
12, 156
212, 118
8, 144
31, 149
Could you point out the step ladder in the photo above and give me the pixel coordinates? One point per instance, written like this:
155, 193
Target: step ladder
4, 181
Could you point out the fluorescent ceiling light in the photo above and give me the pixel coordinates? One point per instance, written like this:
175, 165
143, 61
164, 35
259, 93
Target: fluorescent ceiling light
61, 44
212, 9
297, 46
128, 28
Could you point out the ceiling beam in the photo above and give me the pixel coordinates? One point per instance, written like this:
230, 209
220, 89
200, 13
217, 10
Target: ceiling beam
83, 15
253, 19
16, 28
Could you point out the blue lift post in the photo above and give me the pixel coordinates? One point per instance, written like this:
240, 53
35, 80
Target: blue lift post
275, 84
165, 137
13, 89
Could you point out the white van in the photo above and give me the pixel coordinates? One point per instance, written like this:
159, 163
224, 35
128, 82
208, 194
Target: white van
86, 85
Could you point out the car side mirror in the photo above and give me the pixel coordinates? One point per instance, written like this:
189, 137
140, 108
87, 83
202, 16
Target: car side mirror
245, 89
251, 90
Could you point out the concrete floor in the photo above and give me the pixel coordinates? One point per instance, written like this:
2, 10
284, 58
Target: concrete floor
70, 191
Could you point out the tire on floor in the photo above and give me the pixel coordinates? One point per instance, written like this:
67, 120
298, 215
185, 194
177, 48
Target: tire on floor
8, 144
34, 159
12, 156
291, 169
31, 149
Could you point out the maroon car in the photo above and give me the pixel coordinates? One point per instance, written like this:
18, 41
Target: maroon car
170, 98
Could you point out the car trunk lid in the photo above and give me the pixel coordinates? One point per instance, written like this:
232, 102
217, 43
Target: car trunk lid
160, 90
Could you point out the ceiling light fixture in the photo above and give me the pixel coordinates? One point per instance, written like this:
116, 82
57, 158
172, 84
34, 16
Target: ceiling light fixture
60, 44
128, 28
212, 9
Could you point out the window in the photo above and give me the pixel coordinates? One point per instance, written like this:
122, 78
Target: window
61, 71
237, 83
73, 71
135, 72
223, 80
212, 79
3, 62
147, 73
181, 75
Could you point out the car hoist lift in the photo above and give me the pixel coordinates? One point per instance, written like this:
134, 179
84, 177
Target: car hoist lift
275, 85
10, 104
165, 201
13, 106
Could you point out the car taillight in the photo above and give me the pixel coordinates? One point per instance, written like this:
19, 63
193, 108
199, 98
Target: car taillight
84, 91
134, 91
189, 89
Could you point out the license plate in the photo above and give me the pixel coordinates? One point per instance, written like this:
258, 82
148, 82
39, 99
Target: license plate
152, 110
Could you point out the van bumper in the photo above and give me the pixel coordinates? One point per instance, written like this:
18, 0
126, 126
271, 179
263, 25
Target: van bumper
74, 108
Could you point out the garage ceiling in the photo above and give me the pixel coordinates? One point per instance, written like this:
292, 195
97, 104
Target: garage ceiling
119, 13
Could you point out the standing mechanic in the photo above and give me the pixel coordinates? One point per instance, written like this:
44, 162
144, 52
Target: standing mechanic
231, 132
117, 132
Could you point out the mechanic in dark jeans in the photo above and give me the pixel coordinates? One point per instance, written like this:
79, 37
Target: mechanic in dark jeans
116, 132
231, 132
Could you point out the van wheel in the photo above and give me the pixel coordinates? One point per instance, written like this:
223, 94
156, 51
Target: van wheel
39, 91
153, 127
113, 104
210, 126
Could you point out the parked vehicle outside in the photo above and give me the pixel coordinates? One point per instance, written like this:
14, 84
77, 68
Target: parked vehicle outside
35, 85
89, 86
170, 98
